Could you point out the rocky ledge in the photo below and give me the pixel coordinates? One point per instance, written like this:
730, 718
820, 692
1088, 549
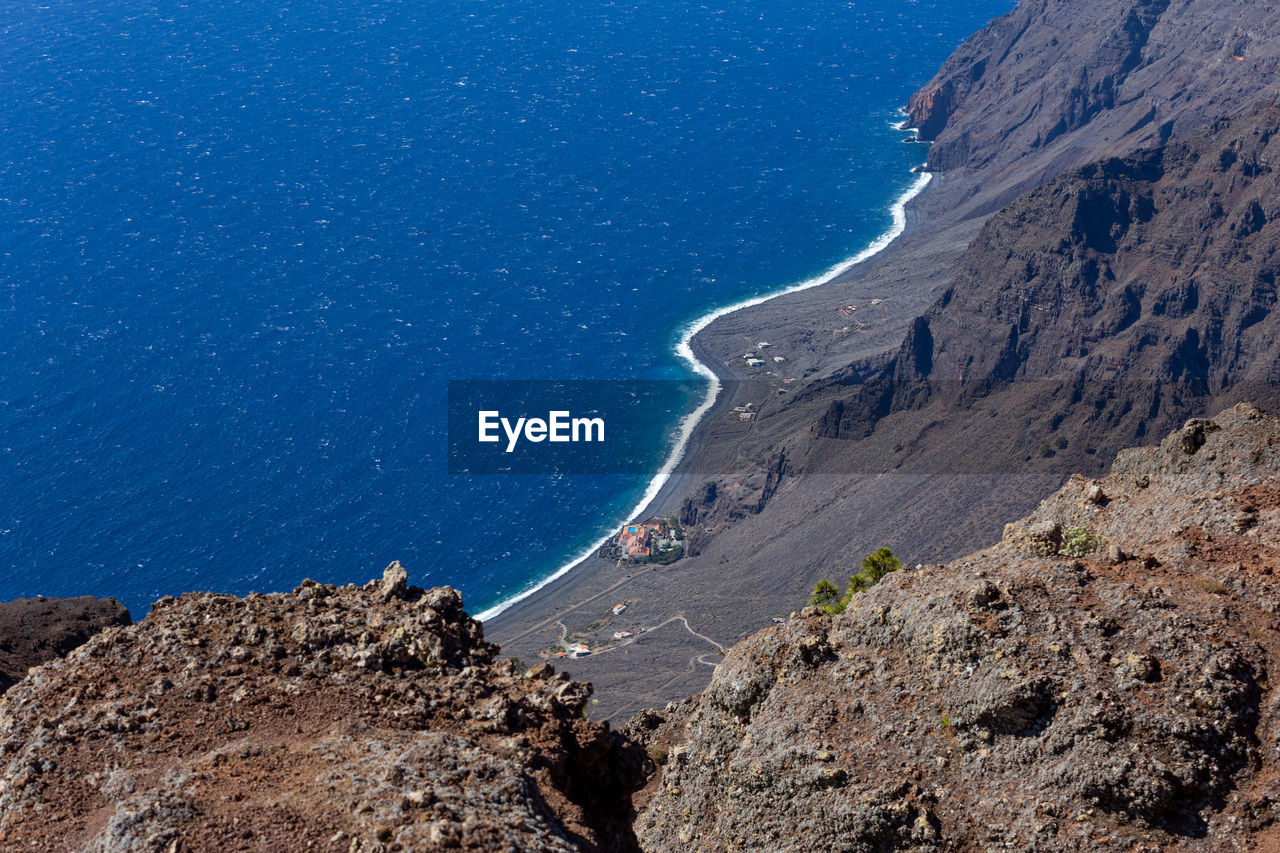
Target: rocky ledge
328, 718
1098, 680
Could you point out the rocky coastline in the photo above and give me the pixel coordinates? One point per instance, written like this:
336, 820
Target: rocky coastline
1098, 679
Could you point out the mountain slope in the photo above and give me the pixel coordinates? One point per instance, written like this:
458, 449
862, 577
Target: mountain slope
1107, 304
1133, 73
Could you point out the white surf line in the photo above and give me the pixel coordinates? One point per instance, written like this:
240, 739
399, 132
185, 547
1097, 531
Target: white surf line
684, 350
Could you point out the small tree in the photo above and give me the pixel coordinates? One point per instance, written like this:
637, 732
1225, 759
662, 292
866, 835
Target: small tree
874, 567
825, 594
878, 564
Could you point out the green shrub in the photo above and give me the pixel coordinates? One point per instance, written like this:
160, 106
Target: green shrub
874, 567
1079, 542
825, 593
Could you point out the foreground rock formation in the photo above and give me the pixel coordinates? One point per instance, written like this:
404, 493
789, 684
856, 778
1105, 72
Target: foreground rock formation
351, 719
1099, 680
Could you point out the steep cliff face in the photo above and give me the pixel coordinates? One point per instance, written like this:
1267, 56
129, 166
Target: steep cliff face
1158, 266
1100, 680
1050, 67
1109, 302
324, 719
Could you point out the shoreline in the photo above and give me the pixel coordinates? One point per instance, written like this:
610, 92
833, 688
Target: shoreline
659, 490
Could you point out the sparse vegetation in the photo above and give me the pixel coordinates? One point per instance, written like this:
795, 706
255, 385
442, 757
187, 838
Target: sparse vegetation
1214, 587
874, 567
669, 555
825, 594
1079, 542
658, 754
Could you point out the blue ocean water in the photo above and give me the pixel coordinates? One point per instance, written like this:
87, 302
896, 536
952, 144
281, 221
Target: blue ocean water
244, 245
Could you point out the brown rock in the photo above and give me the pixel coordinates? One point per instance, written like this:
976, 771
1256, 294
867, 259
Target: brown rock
372, 718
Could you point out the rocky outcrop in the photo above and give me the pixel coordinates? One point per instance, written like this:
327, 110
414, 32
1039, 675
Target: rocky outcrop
1099, 680
36, 630
328, 718
720, 502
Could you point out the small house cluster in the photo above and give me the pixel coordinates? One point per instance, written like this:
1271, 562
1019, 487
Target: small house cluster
848, 310
753, 358
639, 541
